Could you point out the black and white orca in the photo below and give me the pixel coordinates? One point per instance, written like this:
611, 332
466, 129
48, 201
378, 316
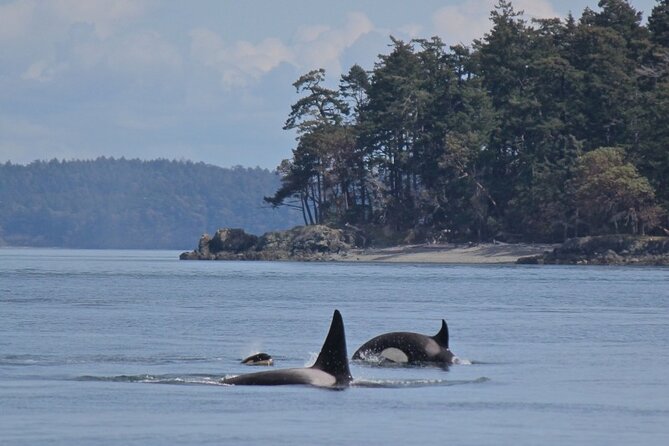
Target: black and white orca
258, 359
408, 348
329, 370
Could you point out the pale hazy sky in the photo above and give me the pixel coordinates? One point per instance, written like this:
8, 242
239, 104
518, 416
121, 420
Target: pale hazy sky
205, 80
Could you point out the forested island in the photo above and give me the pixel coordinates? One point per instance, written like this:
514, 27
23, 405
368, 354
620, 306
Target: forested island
541, 130
121, 203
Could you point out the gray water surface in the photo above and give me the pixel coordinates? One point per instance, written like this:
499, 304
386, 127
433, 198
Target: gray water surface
128, 347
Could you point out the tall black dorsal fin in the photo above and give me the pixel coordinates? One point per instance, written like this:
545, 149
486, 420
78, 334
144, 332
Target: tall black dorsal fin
333, 358
442, 336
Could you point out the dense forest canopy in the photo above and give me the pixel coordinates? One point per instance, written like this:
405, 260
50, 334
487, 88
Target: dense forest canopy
119, 203
539, 130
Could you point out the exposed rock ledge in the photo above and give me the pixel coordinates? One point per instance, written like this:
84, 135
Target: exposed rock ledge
606, 250
315, 242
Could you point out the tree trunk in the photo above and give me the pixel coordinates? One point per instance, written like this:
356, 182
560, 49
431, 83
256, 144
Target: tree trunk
305, 201
304, 214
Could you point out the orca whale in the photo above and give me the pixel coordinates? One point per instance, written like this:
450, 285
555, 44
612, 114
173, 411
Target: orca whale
329, 370
258, 359
408, 348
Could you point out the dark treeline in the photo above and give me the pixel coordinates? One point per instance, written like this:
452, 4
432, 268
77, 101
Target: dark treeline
119, 203
540, 130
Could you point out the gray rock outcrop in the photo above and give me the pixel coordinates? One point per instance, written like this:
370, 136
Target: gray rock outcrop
606, 250
316, 242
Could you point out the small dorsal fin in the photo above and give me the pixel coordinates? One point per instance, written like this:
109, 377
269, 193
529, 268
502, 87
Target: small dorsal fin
333, 358
442, 336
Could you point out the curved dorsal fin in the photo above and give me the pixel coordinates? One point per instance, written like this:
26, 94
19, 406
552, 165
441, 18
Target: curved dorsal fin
333, 358
442, 336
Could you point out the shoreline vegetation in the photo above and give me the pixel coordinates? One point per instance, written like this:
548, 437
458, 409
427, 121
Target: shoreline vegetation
323, 243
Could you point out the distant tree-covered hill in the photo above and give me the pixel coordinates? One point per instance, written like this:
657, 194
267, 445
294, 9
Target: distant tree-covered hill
120, 203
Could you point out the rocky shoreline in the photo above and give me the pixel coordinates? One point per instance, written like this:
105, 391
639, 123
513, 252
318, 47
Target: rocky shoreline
302, 243
606, 250
323, 243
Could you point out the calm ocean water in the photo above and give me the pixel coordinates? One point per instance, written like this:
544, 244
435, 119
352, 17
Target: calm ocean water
127, 347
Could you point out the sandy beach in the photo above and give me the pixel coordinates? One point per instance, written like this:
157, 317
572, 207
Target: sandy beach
484, 253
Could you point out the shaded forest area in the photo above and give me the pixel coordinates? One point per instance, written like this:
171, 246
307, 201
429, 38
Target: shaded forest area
119, 203
539, 131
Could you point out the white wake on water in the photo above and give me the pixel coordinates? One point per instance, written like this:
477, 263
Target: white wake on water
461, 361
411, 383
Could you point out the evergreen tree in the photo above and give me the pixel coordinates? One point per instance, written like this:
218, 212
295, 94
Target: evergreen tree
653, 154
658, 23
538, 208
608, 49
354, 87
610, 194
388, 130
503, 57
316, 117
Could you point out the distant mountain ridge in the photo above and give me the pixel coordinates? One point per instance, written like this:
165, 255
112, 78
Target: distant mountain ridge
121, 203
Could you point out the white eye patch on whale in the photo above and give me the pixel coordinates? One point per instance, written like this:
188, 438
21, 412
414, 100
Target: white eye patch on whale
408, 348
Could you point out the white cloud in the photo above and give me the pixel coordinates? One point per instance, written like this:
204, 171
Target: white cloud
461, 23
104, 15
470, 19
138, 55
310, 33
325, 49
49, 19
239, 63
142, 52
536, 9
413, 30
44, 70
56, 38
